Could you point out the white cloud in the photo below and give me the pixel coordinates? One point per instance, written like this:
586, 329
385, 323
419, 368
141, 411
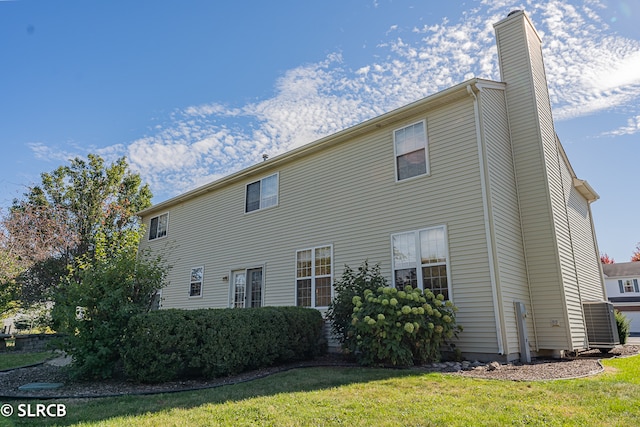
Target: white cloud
45, 152
613, 72
588, 69
633, 126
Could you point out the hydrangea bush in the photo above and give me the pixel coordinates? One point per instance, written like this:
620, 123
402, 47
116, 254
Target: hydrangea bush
352, 283
400, 327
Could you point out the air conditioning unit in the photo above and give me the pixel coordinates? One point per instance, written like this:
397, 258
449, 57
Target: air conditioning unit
602, 331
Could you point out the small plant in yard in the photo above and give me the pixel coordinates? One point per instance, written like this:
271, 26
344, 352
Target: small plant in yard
624, 326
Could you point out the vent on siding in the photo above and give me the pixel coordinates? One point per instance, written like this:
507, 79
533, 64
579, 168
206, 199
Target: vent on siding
601, 324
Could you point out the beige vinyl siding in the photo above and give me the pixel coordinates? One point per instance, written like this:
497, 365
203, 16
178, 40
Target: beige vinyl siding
505, 217
558, 178
346, 196
585, 250
586, 282
566, 243
370, 206
520, 54
560, 183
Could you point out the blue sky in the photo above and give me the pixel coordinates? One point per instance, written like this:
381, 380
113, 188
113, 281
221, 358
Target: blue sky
191, 91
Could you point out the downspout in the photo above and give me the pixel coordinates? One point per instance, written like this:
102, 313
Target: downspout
487, 225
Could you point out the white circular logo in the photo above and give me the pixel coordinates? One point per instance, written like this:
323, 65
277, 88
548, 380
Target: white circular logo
6, 410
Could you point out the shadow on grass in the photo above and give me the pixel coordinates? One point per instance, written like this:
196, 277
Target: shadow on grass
291, 381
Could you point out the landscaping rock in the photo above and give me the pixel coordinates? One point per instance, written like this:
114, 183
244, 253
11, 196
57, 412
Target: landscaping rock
493, 366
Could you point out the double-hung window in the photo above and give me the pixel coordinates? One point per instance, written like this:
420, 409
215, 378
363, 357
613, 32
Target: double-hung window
195, 286
262, 194
628, 286
314, 277
410, 145
420, 259
158, 226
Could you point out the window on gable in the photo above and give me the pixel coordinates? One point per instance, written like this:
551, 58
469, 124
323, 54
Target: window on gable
262, 194
195, 287
158, 226
410, 144
420, 260
314, 278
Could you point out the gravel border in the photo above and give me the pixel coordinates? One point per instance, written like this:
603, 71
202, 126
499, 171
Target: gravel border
584, 364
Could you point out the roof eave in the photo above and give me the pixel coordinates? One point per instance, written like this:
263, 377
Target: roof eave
585, 190
431, 101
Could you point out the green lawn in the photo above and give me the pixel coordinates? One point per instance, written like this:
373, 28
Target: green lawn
11, 359
366, 397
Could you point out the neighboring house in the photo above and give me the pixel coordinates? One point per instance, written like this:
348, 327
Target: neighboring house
467, 192
623, 290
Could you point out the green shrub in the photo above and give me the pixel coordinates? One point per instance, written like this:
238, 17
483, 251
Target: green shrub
168, 344
157, 344
382, 325
624, 326
93, 312
304, 335
351, 284
400, 327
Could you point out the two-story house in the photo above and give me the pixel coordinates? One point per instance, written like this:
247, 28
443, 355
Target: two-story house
466, 192
622, 281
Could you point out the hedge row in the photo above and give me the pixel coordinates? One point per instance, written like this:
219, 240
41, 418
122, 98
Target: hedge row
168, 344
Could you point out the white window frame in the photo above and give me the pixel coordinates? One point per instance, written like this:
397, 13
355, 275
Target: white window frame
314, 277
397, 154
195, 279
631, 283
417, 263
157, 298
166, 228
262, 199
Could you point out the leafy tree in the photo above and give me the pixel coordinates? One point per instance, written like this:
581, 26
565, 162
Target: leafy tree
93, 305
635, 257
57, 222
95, 197
9, 289
31, 236
8, 271
74, 240
606, 259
